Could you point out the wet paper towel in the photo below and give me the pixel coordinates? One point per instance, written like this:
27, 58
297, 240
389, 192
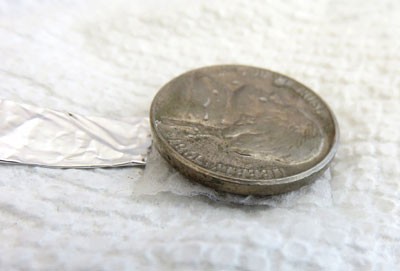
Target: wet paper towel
160, 177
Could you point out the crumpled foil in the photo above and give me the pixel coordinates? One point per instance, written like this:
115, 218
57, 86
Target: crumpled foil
37, 136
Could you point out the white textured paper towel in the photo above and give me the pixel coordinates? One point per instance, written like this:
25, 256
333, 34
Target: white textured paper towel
109, 58
159, 177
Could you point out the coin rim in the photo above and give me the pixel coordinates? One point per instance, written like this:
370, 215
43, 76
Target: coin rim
168, 152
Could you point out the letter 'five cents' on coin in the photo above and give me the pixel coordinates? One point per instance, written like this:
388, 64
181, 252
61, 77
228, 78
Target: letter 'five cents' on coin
243, 130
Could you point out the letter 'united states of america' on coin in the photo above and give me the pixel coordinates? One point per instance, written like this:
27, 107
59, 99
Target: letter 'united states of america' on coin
243, 130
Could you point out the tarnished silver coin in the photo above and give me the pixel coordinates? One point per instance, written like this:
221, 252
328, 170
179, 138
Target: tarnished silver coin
243, 130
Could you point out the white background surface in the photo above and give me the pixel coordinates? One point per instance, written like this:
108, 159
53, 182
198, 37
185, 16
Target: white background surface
109, 59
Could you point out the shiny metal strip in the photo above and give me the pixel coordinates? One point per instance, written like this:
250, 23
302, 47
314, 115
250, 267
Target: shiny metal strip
44, 137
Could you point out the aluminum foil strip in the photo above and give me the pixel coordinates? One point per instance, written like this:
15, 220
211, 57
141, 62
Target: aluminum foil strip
37, 136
